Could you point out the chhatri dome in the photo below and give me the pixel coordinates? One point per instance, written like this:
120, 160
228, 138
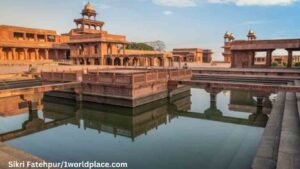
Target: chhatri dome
251, 35
227, 35
89, 10
89, 6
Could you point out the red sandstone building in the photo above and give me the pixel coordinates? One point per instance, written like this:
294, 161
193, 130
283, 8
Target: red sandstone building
87, 44
28, 44
244, 53
192, 55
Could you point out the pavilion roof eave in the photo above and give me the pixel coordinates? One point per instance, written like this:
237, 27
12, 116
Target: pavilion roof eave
96, 40
88, 21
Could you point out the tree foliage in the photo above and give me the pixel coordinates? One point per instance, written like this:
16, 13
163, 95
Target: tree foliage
139, 46
157, 45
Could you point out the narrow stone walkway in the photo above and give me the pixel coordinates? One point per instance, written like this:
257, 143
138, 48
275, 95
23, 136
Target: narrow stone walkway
280, 143
266, 155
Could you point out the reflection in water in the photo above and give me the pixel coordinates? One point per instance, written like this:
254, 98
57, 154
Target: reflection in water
172, 128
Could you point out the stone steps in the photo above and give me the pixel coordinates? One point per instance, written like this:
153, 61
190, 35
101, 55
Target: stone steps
266, 155
243, 78
289, 147
19, 83
280, 143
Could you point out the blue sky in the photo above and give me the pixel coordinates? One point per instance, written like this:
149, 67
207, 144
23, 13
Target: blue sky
179, 23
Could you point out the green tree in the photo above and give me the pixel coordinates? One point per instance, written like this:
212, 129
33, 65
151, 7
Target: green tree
139, 46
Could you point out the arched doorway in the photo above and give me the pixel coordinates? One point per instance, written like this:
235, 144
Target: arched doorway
97, 62
126, 61
20, 54
135, 61
117, 61
108, 61
81, 61
7, 53
158, 61
42, 54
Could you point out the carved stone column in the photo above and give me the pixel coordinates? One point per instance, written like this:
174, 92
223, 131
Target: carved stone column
47, 54
25, 53
36, 54
14, 54
113, 61
56, 54
290, 58
269, 58
1, 54
121, 61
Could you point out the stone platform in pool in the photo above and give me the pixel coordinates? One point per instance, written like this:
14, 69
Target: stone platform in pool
123, 87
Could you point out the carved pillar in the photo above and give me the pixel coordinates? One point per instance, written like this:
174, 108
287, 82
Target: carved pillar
35, 37
25, 53
56, 54
13, 54
121, 61
36, 54
112, 60
269, 58
47, 54
92, 61
151, 61
250, 59
163, 62
290, 58
253, 58
65, 54
1, 54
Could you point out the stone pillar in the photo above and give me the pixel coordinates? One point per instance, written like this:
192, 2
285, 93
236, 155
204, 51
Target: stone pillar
35, 37
213, 100
121, 61
151, 61
36, 54
253, 58
250, 59
92, 61
290, 58
269, 58
1, 54
232, 58
47, 54
113, 61
13, 54
26, 54
56, 54
65, 54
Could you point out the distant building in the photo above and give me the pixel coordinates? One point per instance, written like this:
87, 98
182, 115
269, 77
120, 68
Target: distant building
247, 53
28, 44
195, 55
91, 45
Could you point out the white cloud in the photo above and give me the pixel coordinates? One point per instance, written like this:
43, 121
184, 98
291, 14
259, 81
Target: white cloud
167, 12
254, 2
176, 3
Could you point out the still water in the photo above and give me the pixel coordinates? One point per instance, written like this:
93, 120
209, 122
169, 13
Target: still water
192, 130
